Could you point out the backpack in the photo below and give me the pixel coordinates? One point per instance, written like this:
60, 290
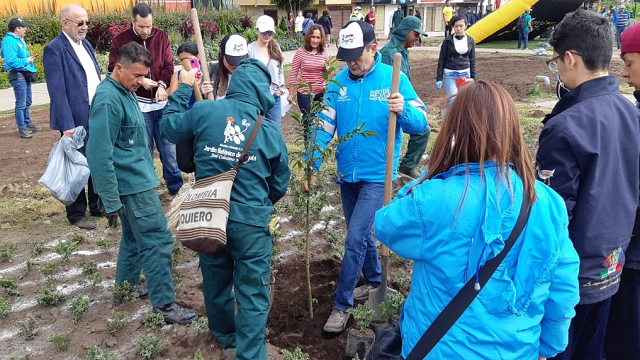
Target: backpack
521, 24
306, 25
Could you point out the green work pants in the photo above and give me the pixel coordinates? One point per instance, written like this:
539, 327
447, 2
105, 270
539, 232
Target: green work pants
146, 244
415, 149
245, 264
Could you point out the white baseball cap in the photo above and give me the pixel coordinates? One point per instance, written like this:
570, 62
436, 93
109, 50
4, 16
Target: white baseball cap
265, 23
235, 49
352, 39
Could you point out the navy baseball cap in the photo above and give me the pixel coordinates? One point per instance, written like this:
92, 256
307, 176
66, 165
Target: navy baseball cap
353, 38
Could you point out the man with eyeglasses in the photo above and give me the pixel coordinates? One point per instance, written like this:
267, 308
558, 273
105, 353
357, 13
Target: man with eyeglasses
73, 75
589, 145
152, 95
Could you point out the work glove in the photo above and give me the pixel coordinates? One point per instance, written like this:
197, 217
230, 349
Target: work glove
438, 85
112, 218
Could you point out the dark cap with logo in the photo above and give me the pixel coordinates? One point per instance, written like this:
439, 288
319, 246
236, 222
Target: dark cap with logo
353, 38
15, 22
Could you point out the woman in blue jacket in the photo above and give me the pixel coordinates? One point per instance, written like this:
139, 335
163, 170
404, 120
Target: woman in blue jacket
457, 216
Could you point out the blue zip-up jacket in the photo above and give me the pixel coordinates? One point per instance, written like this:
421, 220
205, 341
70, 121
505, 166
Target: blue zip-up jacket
365, 101
590, 141
525, 309
633, 252
15, 53
616, 16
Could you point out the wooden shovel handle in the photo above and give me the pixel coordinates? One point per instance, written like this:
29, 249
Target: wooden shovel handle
201, 55
391, 136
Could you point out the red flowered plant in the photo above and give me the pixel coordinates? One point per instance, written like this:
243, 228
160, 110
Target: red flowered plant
210, 28
246, 22
186, 30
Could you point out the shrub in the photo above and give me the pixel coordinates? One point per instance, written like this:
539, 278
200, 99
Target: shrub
199, 326
65, 249
5, 307
197, 356
37, 247
50, 269
115, 321
362, 314
297, 354
10, 286
79, 306
126, 290
60, 342
28, 328
103, 243
391, 308
154, 320
7, 251
148, 346
96, 353
46, 297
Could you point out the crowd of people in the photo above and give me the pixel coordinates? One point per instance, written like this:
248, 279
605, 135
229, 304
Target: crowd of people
568, 288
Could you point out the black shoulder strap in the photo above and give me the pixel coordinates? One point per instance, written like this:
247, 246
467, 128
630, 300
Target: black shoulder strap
245, 150
468, 293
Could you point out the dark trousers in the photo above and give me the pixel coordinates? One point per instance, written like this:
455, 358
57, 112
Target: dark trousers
415, 149
622, 341
586, 332
304, 101
447, 29
78, 209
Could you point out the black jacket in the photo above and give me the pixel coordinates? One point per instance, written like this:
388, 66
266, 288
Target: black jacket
325, 21
451, 60
590, 141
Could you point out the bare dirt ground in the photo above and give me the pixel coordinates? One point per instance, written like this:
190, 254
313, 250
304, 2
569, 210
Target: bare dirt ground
29, 216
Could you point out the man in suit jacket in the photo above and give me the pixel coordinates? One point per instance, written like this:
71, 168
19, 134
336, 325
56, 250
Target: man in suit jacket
73, 74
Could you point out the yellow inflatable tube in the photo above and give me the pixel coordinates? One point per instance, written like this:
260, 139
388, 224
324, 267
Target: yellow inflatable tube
499, 19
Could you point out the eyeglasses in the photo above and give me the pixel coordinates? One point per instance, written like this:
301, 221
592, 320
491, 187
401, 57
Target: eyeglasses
267, 33
553, 63
82, 23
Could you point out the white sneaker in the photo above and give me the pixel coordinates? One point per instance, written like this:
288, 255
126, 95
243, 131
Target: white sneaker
337, 321
362, 292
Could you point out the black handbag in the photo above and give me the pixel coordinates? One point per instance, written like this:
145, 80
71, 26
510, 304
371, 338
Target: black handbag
388, 345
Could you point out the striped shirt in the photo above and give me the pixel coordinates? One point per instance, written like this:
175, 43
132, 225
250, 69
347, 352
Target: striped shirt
623, 20
309, 68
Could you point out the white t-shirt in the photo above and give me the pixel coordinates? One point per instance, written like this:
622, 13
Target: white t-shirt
93, 79
299, 20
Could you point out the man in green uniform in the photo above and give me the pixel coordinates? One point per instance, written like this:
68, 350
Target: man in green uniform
403, 37
124, 177
218, 131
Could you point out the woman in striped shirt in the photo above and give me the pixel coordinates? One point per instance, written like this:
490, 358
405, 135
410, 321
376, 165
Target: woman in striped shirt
308, 66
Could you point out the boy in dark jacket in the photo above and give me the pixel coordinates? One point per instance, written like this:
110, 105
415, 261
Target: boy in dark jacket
622, 341
590, 144
152, 95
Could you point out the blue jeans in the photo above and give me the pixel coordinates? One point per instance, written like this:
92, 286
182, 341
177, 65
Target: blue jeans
360, 201
523, 36
450, 85
170, 172
275, 114
619, 31
22, 91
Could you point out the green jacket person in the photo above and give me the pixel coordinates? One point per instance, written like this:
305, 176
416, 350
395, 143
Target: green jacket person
218, 131
403, 37
124, 177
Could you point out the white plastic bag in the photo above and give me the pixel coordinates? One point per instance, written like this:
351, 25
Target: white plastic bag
285, 105
67, 169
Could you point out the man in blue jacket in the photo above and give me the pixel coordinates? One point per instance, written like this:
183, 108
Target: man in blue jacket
19, 64
364, 99
623, 329
73, 75
590, 144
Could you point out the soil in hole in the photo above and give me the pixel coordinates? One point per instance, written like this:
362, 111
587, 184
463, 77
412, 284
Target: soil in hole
289, 323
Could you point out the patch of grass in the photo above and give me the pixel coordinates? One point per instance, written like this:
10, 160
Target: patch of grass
50, 270
176, 253
177, 279
21, 357
403, 279
200, 326
502, 44
197, 356
79, 306
89, 267
116, 321
126, 290
7, 251
28, 328
10, 286
78, 239
96, 353
37, 247
29, 201
5, 307
60, 342
154, 320
106, 244
29, 265
148, 346
391, 308
47, 297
